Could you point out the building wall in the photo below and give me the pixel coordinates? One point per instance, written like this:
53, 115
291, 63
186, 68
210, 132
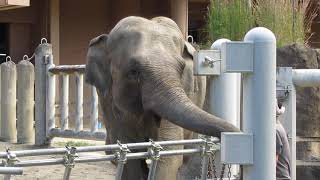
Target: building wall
26, 27
81, 21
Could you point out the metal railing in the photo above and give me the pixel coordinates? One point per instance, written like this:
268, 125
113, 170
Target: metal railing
121, 153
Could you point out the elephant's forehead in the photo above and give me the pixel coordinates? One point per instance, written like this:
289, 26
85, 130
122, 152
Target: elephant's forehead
139, 27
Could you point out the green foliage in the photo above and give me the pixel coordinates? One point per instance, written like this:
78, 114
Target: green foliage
233, 18
229, 19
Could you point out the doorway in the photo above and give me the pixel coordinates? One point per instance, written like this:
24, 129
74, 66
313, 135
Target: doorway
4, 43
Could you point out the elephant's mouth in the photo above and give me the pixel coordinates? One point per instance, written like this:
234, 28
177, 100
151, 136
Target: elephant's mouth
151, 124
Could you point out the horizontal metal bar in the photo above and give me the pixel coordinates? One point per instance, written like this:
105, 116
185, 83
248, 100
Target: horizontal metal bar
306, 77
307, 163
42, 162
95, 159
112, 147
139, 155
68, 69
57, 132
308, 139
11, 170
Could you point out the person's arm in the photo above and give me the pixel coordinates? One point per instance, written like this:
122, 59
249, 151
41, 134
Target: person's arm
278, 145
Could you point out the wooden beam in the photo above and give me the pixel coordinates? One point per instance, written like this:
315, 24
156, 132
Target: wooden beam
55, 29
179, 13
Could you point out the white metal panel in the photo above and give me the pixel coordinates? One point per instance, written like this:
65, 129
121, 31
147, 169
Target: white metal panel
207, 62
237, 57
237, 148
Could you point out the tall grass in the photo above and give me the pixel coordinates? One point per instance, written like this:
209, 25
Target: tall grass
233, 18
230, 19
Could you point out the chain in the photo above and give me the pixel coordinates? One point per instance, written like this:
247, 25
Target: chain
229, 171
209, 172
222, 171
214, 167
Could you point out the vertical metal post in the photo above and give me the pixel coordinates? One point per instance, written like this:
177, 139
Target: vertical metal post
94, 109
205, 159
64, 102
154, 152
121, 159
291, 112
25, 104
79, 102
8, 101
225, 99
40, 92
259, 113
69, 162
50, 96
284, 77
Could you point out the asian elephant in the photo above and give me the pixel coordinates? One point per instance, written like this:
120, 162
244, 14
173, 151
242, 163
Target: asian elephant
143, 72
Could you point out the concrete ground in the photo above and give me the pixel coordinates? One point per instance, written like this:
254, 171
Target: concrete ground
81, 171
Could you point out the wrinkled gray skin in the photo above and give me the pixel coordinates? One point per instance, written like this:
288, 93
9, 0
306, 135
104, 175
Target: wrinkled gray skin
143, 72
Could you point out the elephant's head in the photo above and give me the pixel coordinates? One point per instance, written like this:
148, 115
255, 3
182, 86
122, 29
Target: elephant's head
138, 70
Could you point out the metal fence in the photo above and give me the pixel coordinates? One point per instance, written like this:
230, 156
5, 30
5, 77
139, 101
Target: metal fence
12, 160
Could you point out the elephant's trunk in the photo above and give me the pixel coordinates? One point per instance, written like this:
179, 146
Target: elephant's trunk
174, 105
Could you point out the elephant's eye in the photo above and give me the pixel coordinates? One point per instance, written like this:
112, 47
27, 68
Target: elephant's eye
133, 74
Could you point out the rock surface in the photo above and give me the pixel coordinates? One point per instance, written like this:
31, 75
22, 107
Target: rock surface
308, 105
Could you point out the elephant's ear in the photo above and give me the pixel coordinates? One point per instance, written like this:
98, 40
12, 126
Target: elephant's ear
189, 50
97, 68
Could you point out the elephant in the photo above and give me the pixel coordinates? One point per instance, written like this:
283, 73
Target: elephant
143, 73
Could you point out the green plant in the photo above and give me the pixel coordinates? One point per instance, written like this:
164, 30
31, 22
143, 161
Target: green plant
284, 17
228, 19
233, 18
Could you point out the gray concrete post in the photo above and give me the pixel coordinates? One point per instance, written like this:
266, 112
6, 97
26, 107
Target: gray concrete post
40, 93
8, 101
259, 105
25, 103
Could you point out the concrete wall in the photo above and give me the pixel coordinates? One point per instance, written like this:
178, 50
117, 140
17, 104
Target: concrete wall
80, 21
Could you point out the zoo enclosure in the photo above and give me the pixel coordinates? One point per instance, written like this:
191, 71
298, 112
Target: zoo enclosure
46, 73
120, 153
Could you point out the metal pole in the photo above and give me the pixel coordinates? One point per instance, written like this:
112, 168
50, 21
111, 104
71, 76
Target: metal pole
306, 77
259, 113
225, 99
40, 92
64, 102
288, 91
79, 102
155, 157
94, 109
25, 104
121, 159
205, 160
69, 162
50, 95
11, 170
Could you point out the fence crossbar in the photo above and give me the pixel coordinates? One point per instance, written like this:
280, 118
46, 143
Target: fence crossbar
68, 69
11, 170
112, 147
138, 155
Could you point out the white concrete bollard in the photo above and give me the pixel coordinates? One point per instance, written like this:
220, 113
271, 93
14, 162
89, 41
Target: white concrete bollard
40, 92
8, 101
25, 103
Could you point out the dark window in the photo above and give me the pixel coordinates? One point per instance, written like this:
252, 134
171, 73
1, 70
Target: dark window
3, 41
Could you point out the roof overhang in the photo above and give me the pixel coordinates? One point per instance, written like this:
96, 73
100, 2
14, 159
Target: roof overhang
13, 4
